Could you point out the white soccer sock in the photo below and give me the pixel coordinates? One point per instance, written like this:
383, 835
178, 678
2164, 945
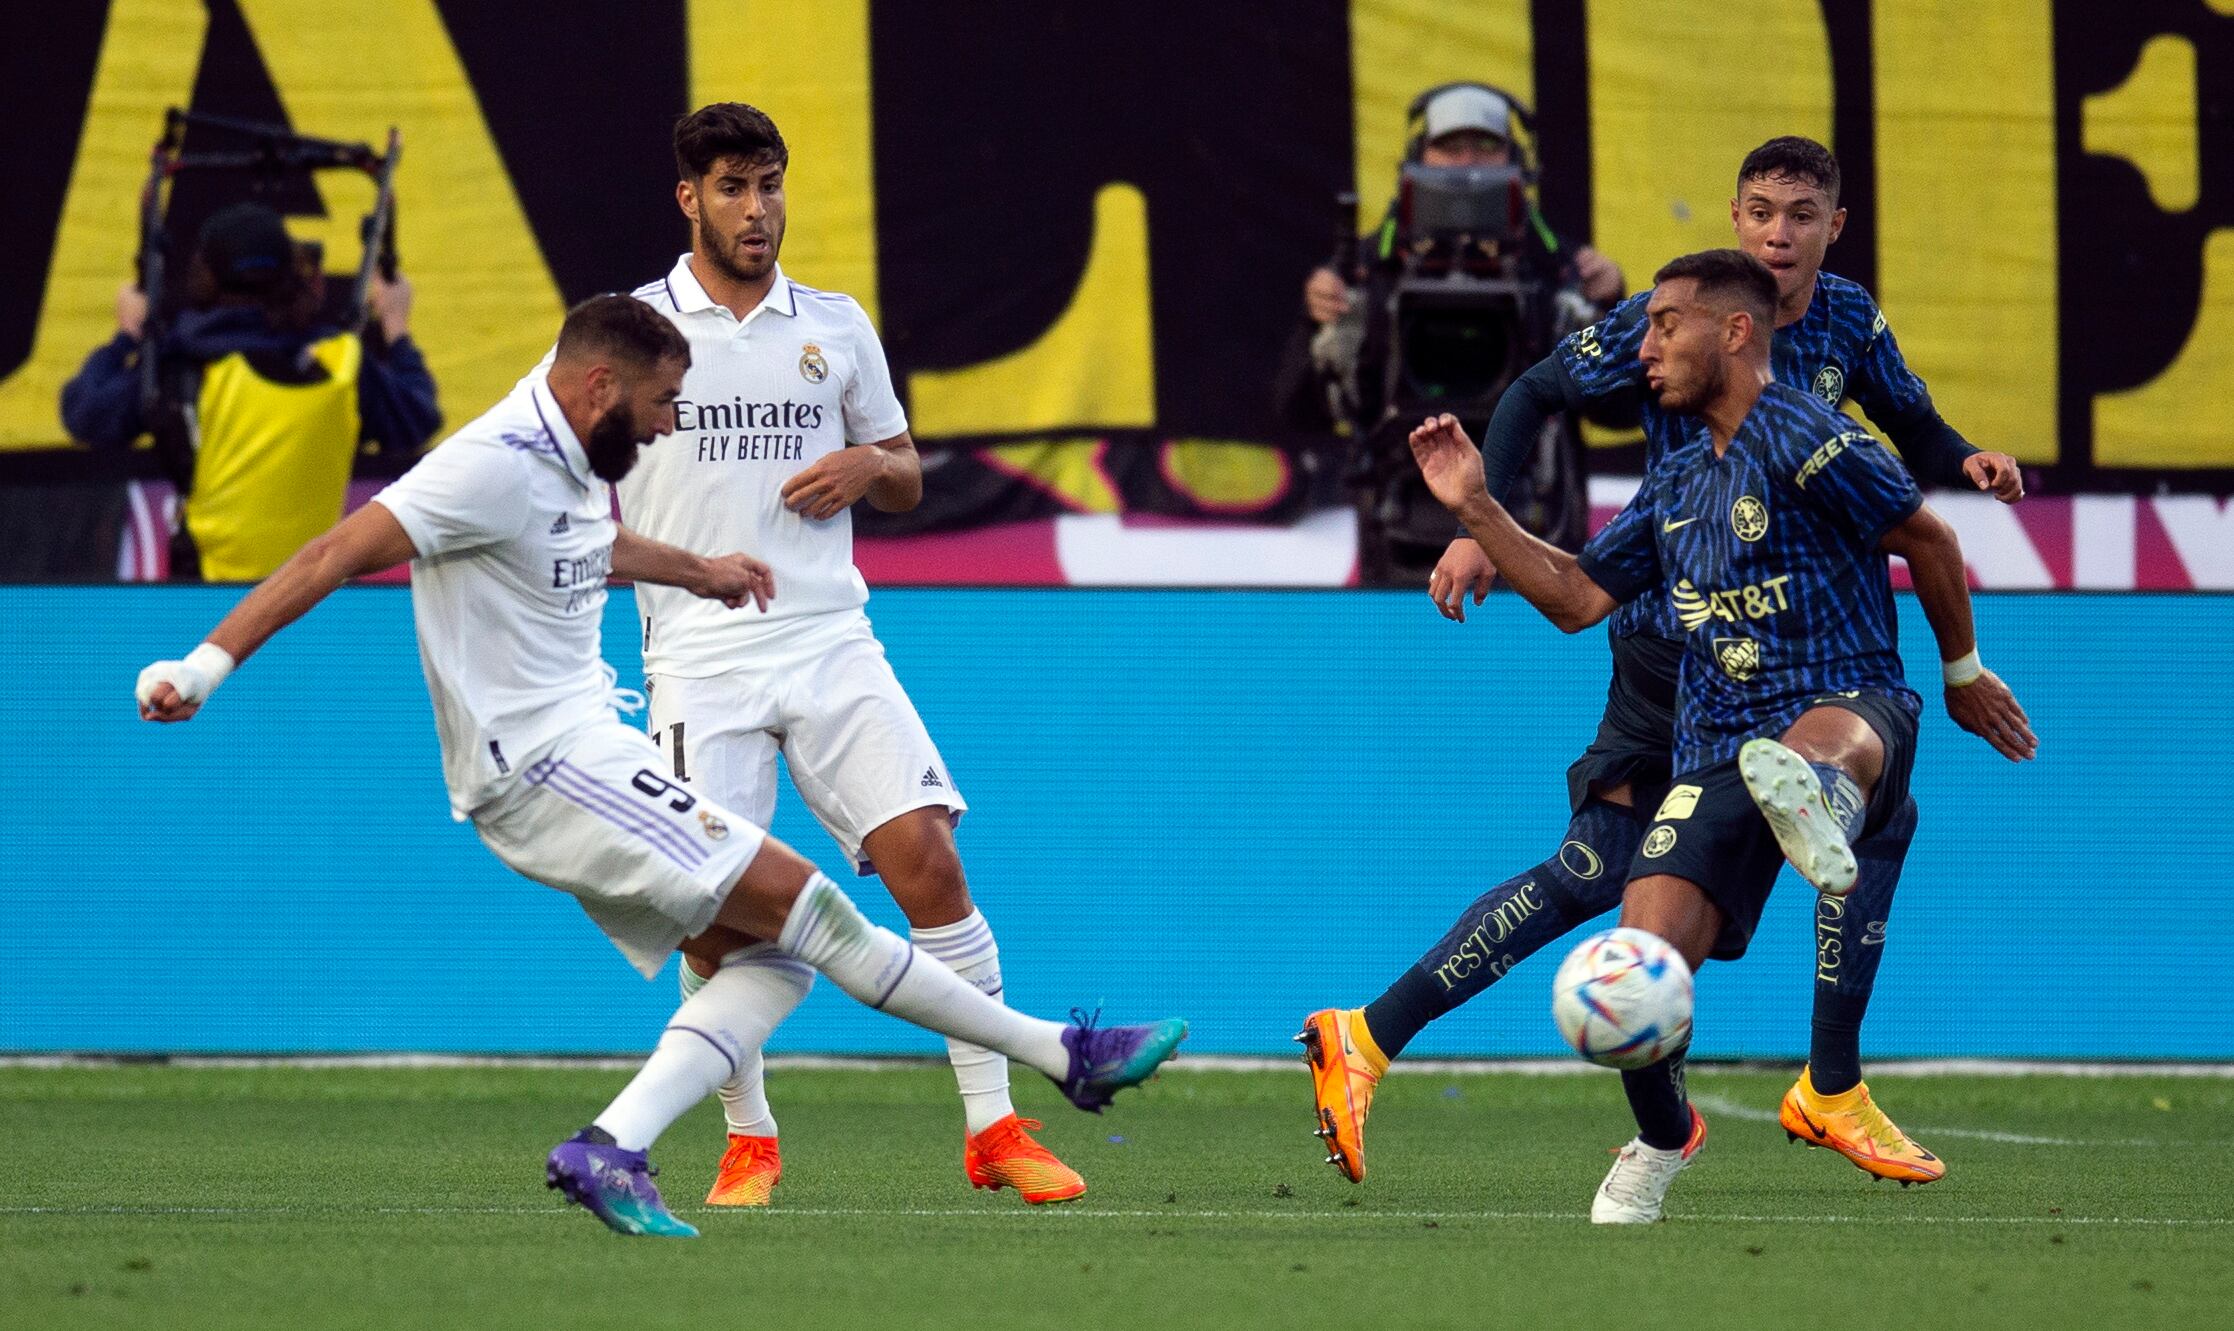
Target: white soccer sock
704, 1045
782, 982
967, 948
880, 968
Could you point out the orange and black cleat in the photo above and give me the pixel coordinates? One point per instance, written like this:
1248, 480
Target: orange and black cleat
1343, 1076
1005, 1156
1851, 1124
750, 1170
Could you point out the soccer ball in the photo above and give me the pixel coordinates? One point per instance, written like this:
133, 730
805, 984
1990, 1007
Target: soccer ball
1623, 998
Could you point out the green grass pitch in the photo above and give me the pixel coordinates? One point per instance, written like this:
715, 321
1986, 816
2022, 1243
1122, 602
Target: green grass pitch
291, 1197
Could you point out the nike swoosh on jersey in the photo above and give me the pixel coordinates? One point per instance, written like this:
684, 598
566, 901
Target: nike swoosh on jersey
1671, 526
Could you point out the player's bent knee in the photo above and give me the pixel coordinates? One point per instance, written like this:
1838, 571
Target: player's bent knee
761, 898
1584, 878
1838, 736
1676, 909
915, 856
702, 952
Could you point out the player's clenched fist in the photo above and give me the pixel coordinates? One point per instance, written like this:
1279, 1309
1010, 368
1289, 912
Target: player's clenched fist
175, 690
1448, 460
736, 579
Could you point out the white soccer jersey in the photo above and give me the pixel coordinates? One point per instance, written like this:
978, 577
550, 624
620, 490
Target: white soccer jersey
798, 377
515, 537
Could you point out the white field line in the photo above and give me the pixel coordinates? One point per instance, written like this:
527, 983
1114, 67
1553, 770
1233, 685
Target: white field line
1749, 1114
1038, 1215
1421, 1067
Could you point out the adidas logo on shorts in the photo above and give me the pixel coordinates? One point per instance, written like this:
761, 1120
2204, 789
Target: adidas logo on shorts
931, 777
559, 526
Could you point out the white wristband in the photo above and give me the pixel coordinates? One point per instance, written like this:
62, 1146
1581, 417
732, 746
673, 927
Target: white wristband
1962, 670
215, 663
193, 679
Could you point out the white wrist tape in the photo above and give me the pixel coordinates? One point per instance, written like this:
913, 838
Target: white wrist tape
194, 678
1962, 670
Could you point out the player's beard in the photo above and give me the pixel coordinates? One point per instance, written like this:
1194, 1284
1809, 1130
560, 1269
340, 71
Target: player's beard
723, 252
1689, 398
612, 443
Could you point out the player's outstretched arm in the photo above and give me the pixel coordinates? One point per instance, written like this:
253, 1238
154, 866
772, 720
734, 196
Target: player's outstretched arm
1936, 455
366, 541
1995, 473
1514, 430
1546, 575
889, 473
729, 579
1976, 698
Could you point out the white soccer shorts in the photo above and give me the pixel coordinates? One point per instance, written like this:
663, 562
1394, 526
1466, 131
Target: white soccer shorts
827, 699
598, 815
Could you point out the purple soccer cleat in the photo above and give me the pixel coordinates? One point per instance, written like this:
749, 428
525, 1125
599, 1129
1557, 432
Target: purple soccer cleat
1104, 1061
613, 1184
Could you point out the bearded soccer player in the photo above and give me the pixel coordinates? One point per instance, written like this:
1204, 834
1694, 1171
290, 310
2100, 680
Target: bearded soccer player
1830, 338
787, 418
1795, 730
509, 530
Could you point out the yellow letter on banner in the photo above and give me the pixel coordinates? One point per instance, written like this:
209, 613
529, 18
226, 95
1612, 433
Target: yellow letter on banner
753, 51
1679, 94
1401, 48
486, 308
149, 53
2176, 419
1966, 200
1094, 367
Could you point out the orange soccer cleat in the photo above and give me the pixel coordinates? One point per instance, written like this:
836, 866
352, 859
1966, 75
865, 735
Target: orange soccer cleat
1005, 1156
1851, 1124
750, 1170
1345, 1067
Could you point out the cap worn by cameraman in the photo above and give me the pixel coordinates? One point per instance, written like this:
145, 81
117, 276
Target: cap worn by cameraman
247, 248
1467, 108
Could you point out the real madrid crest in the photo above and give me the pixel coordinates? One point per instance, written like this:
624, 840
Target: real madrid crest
812, 367
715, 828
1830, 385
1749, 518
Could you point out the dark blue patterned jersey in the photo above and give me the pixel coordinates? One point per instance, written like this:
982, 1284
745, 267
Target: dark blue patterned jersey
1840, 349
1772, 573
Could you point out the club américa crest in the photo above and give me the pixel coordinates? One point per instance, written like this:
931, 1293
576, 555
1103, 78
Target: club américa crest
1749, 519
1830, 385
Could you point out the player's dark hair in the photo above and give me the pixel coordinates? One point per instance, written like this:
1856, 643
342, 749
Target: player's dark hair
622, 328
726, 129
1794, 158
1728, 277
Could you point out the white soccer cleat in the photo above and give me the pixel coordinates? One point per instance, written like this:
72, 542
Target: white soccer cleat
1639, 1179
1791, 798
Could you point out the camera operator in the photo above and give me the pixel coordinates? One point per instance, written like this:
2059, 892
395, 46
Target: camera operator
1463, 125
1462, 285
262, 405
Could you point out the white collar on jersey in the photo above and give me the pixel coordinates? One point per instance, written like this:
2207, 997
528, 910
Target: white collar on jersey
575, 458
691, 298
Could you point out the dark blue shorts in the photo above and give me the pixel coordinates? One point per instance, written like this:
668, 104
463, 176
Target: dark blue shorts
1636, 736
1708, 830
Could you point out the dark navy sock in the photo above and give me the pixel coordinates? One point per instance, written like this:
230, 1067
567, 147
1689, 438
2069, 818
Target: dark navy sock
1844, 797
1510, 922
1658, 1099
1849, 944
